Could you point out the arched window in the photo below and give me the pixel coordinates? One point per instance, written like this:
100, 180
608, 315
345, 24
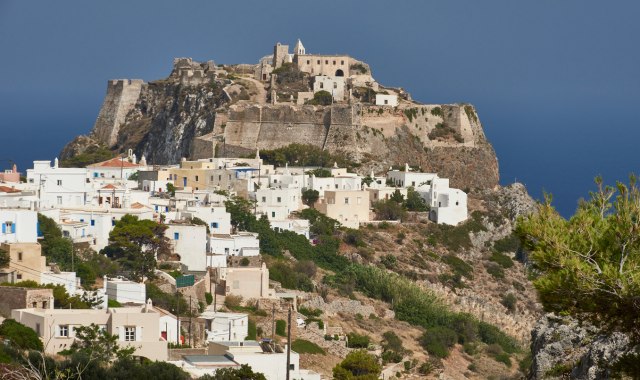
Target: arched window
339, 73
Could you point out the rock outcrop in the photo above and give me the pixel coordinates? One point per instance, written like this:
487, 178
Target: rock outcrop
563, 348
193, 114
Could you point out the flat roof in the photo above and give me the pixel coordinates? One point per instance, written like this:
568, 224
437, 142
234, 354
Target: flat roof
213, 359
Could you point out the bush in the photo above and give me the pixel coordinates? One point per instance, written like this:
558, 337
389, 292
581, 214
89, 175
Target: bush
438, 340
281, 327
321, 98
209, 298
389, 261
389, 210
509, 243
490, 334
391, 357
233, 302
509, 301
495, 270
244, 262
501, 259
458, 266
309, 313
355, 340
20, 336
302, 346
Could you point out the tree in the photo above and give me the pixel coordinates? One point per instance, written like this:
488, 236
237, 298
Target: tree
397, 197
588, 265
357, 365
136, 243
388, 209
55, 247
415, 202
310, 197
171, 189
97, 345
321, 98
4, 258
243, 373
20, 336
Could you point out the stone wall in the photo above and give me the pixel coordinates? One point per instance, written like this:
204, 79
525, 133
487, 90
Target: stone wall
20, 298
122, 95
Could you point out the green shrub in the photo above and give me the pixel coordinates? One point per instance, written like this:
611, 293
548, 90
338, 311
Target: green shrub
438, 340
509, 301
309, 312
437, 111
20, 336
321, 98
459, 266
495, 270
391, 357
281, 327
501, 259
302, 346
208, 297
490, 334
389, 261
355, 340
113, 303
509, 243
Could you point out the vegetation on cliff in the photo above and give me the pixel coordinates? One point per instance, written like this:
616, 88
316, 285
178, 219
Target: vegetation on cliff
588, 267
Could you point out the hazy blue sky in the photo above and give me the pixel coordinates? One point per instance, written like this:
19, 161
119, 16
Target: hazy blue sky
556, 83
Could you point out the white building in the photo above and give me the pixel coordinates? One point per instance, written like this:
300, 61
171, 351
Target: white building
225, 327
216, 217
277, 203
299, 226
333, 85
18, 226
190, 243
118, 167
386, 100
124, 291
408, 178
344, 181
169, 326
136, 327
53, 276
57, 187
262, 359
241, 244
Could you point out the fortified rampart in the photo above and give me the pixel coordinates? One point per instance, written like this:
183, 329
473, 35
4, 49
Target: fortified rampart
122, 95
273, 126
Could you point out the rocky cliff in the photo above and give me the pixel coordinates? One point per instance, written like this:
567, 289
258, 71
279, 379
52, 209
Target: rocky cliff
563, 348
201, 109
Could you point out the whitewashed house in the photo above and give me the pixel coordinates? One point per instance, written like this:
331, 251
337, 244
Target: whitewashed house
240, 244
190, 243
225, 327
59, 187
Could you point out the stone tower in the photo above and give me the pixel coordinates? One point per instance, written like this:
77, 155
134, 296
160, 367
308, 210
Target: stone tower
299, 48
280, 54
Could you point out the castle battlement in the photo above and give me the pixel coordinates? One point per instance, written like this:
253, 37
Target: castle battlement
122, 83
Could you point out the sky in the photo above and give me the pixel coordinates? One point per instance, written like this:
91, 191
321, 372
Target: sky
556, 83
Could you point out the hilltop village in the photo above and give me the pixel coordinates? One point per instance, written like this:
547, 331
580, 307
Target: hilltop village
231, 254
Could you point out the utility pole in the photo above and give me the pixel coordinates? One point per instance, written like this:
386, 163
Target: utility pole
190, 319
289, 343
273, 322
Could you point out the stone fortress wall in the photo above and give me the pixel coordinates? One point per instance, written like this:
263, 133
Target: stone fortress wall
122, 95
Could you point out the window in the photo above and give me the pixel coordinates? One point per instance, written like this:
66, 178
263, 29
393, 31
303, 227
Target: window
457, 203
386, 101
413, 183
334, 62
342, 62
318, 62
176, 236
321, 85
226, 251
129, 333
19, 256
38, 328
346, 201
326, 61
63, 330
335, 85
211, 178
308, 62
59, 199
59, 182
19, 276
359, 200
8, 228
214, 225
273, 214
264, 199
279, 199
196, 178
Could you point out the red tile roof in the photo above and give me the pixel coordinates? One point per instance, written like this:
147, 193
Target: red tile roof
115, 162
6, 189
